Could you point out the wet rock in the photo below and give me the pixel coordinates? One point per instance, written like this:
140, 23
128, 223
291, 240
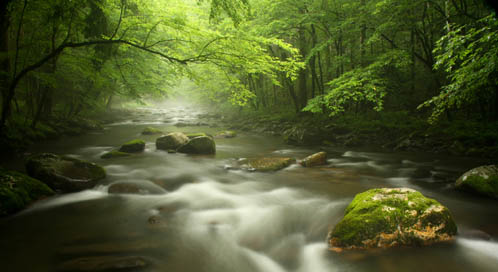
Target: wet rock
197, 134
151, 131
199, 145
171, 141
390, 217
134, 146
105, 263
18, 191
265, 164
226, 134
64, 173
140, 187
481, 180
316, 159
114, 154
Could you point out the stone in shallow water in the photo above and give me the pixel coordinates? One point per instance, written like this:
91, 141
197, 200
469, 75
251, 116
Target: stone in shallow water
199, 145
105, 263
134, 146
151, 131
316, 159
390, 217
115, 154
226, 134
265, 164
481, 180
171, 141
64, 173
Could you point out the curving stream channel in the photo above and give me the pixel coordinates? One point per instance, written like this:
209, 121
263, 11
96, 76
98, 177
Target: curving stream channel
195, 215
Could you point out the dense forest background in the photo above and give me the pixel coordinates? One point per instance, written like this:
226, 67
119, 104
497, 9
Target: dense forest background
412, 65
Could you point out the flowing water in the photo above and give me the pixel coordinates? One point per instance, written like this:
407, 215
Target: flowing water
193, 214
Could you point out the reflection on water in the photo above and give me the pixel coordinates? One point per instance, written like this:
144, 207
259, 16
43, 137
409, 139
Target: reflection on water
190, 214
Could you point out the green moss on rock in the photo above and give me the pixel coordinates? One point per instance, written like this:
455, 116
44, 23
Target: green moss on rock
316, 159
151, 131
18, 190
266, 164
64, 173
134, 146
388, 217
115, 154
199, 145
197, 134
171, 141
481, 180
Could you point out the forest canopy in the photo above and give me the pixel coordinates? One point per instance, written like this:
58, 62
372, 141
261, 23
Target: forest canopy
436, 58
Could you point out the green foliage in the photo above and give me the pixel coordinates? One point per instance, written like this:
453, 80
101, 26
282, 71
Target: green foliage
469, 56
367, 84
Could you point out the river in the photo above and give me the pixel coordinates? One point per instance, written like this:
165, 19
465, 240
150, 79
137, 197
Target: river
197, 215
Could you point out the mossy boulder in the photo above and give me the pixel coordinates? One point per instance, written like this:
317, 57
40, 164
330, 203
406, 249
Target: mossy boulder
197, 134
266, 164
64, 173
151, 131
482, 180
171, 141
115, 154
390, 217
316, 159
134, 146
226, 134
18, 190
199, 145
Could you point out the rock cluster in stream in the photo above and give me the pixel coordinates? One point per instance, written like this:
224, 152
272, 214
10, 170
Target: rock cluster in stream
391, 217
179, 142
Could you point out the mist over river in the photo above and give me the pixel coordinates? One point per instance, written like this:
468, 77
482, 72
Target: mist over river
196, 214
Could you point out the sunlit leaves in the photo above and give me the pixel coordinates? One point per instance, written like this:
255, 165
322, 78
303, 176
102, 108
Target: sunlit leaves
469, 55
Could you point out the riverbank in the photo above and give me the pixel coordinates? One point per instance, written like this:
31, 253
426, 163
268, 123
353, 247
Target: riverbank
20, 134
387, 132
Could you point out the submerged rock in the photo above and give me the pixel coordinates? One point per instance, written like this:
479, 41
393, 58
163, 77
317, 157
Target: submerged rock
105, 263
115, 154
390, 217
226, 134
151, 131
266, 164
64, 173
134, 146
199, 145
18, 191
316, 159
171, 141
482, 180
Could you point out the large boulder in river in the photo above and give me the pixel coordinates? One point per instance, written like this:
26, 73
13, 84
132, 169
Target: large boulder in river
64, 173
482, 180
389, 217
134, 146
171, 141
316, 159
199, 145
18, 190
